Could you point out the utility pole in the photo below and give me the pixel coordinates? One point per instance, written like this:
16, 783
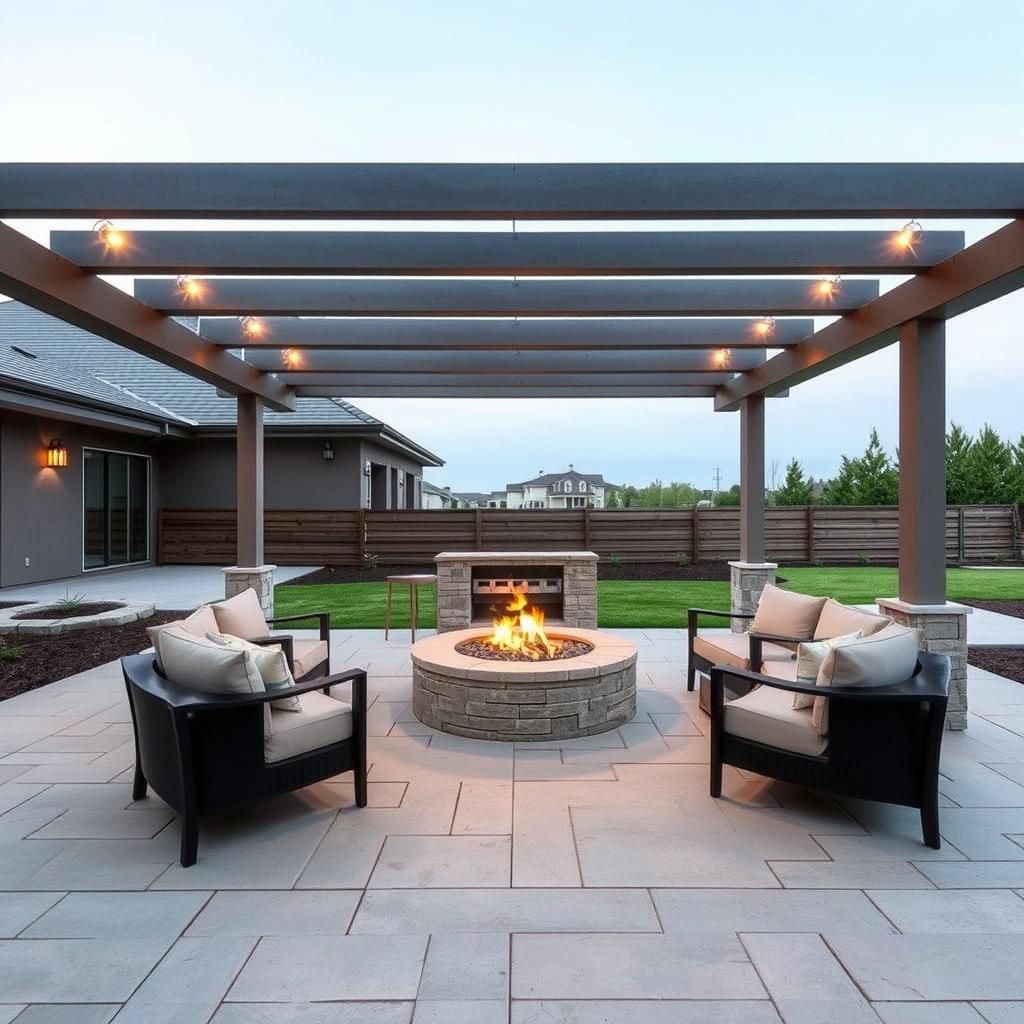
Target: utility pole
718, 483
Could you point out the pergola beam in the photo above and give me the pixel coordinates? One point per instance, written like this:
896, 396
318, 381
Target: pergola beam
491, 298
487, 253
33, 274
297, 365
986, 270
527, 390
501, 191
412, 383
434, 334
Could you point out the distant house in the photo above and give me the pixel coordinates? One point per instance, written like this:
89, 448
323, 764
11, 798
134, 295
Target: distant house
570, 489
438, 497
131, 437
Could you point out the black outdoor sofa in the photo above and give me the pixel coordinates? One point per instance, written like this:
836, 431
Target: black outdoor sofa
203, 752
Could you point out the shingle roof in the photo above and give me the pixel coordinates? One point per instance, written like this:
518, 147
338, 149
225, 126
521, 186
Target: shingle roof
73, 362
82, 355
546, 479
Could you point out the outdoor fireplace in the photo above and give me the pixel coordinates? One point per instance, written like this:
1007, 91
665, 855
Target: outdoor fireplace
472, 585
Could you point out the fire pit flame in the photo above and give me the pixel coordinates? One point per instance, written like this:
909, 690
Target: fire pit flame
521, 631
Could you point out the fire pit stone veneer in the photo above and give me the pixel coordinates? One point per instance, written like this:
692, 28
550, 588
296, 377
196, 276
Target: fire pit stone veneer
455, 572
524, 700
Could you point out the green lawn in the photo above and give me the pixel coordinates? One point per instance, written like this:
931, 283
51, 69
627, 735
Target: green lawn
654, 603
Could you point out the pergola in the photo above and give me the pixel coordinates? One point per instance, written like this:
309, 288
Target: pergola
502, 312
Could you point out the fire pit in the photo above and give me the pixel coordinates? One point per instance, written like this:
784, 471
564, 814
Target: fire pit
516, 681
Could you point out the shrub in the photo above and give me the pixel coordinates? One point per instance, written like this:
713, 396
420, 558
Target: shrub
615, 560
682, 559
69, 602
11, 652
371, 560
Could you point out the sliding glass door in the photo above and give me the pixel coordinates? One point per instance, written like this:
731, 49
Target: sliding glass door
116, 508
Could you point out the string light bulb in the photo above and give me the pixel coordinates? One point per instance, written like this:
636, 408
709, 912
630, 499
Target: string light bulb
189, 288
827, 288
253, 328
722, 358
765, 327
290, 358
111, 237
908, 236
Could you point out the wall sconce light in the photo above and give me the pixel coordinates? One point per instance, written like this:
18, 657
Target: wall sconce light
56, 455
367, 468
327, 452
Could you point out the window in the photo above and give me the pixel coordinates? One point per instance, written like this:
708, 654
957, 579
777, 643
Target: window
567, 487
575, 502
115, 508
583, 486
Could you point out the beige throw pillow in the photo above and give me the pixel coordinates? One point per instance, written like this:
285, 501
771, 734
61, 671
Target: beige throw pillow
809, 656
840, 619
882, 659
199, 623
196, 663
271, 664
784, 613
241, 615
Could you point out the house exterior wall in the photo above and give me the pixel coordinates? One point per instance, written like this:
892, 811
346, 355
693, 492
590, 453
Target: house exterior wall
382, 456
201, 473
41, 508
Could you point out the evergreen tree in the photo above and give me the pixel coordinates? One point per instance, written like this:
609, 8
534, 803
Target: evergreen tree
612, 500
795, 489
876, 481
1016, 487
989, 469
840, 489
958, 452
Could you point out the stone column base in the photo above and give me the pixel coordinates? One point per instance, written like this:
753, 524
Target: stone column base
746, 581
944, 630
238, 578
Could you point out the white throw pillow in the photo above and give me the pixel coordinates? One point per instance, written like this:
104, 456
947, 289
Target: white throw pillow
271, 664
241, 615
196, 663
882, 659
784, 613
809, 656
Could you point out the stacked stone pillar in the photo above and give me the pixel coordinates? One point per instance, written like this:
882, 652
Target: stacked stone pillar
746, 581
238, 578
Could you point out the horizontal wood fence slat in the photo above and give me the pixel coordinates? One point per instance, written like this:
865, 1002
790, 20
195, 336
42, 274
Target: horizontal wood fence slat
829, 534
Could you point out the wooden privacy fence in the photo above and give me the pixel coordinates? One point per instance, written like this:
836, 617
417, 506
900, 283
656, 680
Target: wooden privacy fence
827, 534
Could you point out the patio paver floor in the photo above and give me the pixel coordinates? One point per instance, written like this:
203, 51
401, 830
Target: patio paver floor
572, 882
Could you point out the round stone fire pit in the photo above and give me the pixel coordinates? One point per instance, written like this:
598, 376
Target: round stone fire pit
492, 699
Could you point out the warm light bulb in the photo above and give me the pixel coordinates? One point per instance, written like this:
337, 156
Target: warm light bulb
765, 327
722, 358
253, 328
189, 288
828, 287
110, 236
290, 358
908, 236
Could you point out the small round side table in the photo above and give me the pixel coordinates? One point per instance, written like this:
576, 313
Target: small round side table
414, 582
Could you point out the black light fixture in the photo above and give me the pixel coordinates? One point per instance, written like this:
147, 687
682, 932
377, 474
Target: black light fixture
327, 452
56, 455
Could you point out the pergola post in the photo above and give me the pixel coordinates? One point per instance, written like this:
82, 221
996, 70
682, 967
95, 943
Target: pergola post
250, 571
751, 573
922, 494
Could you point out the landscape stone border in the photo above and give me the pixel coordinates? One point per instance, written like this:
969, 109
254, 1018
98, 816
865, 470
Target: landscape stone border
523, 701
125, 612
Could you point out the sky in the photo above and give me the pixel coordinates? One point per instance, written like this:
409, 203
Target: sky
561, 80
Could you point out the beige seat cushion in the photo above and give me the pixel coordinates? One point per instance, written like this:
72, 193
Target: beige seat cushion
785, 613
241, 615
733, 649
307, 654
321, 722
767, 716
199, 623
882, 659
840, 619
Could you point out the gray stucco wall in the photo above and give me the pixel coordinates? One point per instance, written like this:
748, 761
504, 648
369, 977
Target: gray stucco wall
200, 473
40, 508
383, 456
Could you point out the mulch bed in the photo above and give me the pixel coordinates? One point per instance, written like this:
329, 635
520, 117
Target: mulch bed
1004, 661
605, 571
46, 659
54, 612
1014, 608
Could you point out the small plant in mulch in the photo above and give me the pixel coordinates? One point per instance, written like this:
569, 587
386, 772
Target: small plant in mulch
69, 602
11, 652
371, 560
682, 559
615, 561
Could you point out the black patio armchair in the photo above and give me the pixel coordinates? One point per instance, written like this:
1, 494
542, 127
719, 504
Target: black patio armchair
202, 752
883, 742
307, 659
